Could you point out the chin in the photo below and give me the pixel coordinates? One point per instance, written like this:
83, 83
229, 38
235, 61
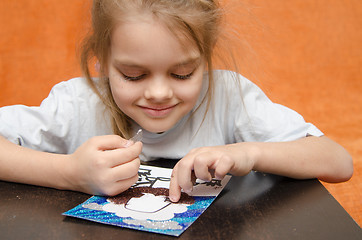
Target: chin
156, 129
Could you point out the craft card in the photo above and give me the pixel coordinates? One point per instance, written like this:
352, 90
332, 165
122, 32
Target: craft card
146, 207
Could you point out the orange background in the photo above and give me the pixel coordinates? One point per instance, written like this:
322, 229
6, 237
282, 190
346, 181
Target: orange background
304, 54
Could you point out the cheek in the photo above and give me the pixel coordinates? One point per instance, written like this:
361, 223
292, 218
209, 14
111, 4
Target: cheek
123, 94
188, 95
191, 91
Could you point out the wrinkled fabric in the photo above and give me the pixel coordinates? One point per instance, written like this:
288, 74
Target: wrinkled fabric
73, 113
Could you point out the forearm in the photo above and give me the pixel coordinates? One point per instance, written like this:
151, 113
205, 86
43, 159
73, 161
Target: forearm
23, 165
310, 157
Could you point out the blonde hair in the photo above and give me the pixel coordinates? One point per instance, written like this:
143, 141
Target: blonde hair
198, 21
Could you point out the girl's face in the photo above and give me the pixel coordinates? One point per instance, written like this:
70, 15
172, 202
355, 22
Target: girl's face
154, 79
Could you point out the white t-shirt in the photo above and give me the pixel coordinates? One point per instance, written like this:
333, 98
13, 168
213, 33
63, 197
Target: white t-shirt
73, 113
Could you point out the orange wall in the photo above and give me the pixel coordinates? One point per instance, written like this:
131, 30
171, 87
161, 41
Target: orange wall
37, 46
306, 54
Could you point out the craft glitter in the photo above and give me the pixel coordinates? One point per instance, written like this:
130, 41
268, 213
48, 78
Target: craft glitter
153, 181
162, 225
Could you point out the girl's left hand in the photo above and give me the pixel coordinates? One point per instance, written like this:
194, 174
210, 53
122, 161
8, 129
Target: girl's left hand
207, 162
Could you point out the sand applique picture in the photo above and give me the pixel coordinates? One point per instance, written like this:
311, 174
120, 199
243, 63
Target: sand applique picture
145, 206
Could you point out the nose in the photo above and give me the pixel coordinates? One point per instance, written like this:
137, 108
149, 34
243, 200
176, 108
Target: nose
158, 89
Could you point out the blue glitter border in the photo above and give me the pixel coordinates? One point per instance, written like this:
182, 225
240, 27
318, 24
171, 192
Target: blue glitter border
183, 219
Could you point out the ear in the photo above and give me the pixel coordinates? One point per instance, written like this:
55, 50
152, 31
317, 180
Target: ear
97, 66
101, 70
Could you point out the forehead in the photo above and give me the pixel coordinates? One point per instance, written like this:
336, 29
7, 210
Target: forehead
146, 37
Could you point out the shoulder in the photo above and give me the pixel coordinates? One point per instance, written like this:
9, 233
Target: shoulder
75, 90
73, 101
76, 94
77, 85
231, 81
234, 87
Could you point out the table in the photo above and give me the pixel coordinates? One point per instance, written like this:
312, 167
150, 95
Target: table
256, 206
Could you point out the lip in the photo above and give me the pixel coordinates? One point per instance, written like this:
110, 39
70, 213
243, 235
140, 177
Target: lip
158, 111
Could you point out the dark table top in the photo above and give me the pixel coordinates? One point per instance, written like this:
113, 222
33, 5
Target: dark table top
256, 206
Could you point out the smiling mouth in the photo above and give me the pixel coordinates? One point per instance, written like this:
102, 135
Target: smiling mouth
158, 112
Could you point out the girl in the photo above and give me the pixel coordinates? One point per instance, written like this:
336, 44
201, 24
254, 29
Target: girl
156, 74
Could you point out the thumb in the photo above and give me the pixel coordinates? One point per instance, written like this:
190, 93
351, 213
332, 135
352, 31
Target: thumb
110, 142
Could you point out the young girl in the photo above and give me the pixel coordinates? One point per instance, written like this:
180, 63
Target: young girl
156, 74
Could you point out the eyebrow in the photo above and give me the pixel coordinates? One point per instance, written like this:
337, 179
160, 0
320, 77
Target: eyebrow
191, 60
127, 64
194, 60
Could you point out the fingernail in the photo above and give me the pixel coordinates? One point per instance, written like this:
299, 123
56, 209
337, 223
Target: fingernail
172, 198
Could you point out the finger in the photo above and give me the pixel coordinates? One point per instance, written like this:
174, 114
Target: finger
109, 142
184, 172
224, 165
202, 164
125, 171
120, 156
126, 183
120, 186
175, 189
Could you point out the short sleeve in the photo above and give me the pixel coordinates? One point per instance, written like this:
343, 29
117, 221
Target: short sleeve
64, 120
259, 119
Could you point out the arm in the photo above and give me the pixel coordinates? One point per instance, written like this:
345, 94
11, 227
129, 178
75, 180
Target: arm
100, 166
309, 157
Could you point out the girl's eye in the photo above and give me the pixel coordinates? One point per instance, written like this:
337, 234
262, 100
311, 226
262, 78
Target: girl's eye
182, 77
129, 78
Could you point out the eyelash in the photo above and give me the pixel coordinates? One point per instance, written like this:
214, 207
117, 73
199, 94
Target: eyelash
180, 77
128, 78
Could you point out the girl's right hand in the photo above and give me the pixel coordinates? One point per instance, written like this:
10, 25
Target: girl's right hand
105, 165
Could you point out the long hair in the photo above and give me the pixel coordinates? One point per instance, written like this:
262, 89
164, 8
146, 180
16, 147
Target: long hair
192, 21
